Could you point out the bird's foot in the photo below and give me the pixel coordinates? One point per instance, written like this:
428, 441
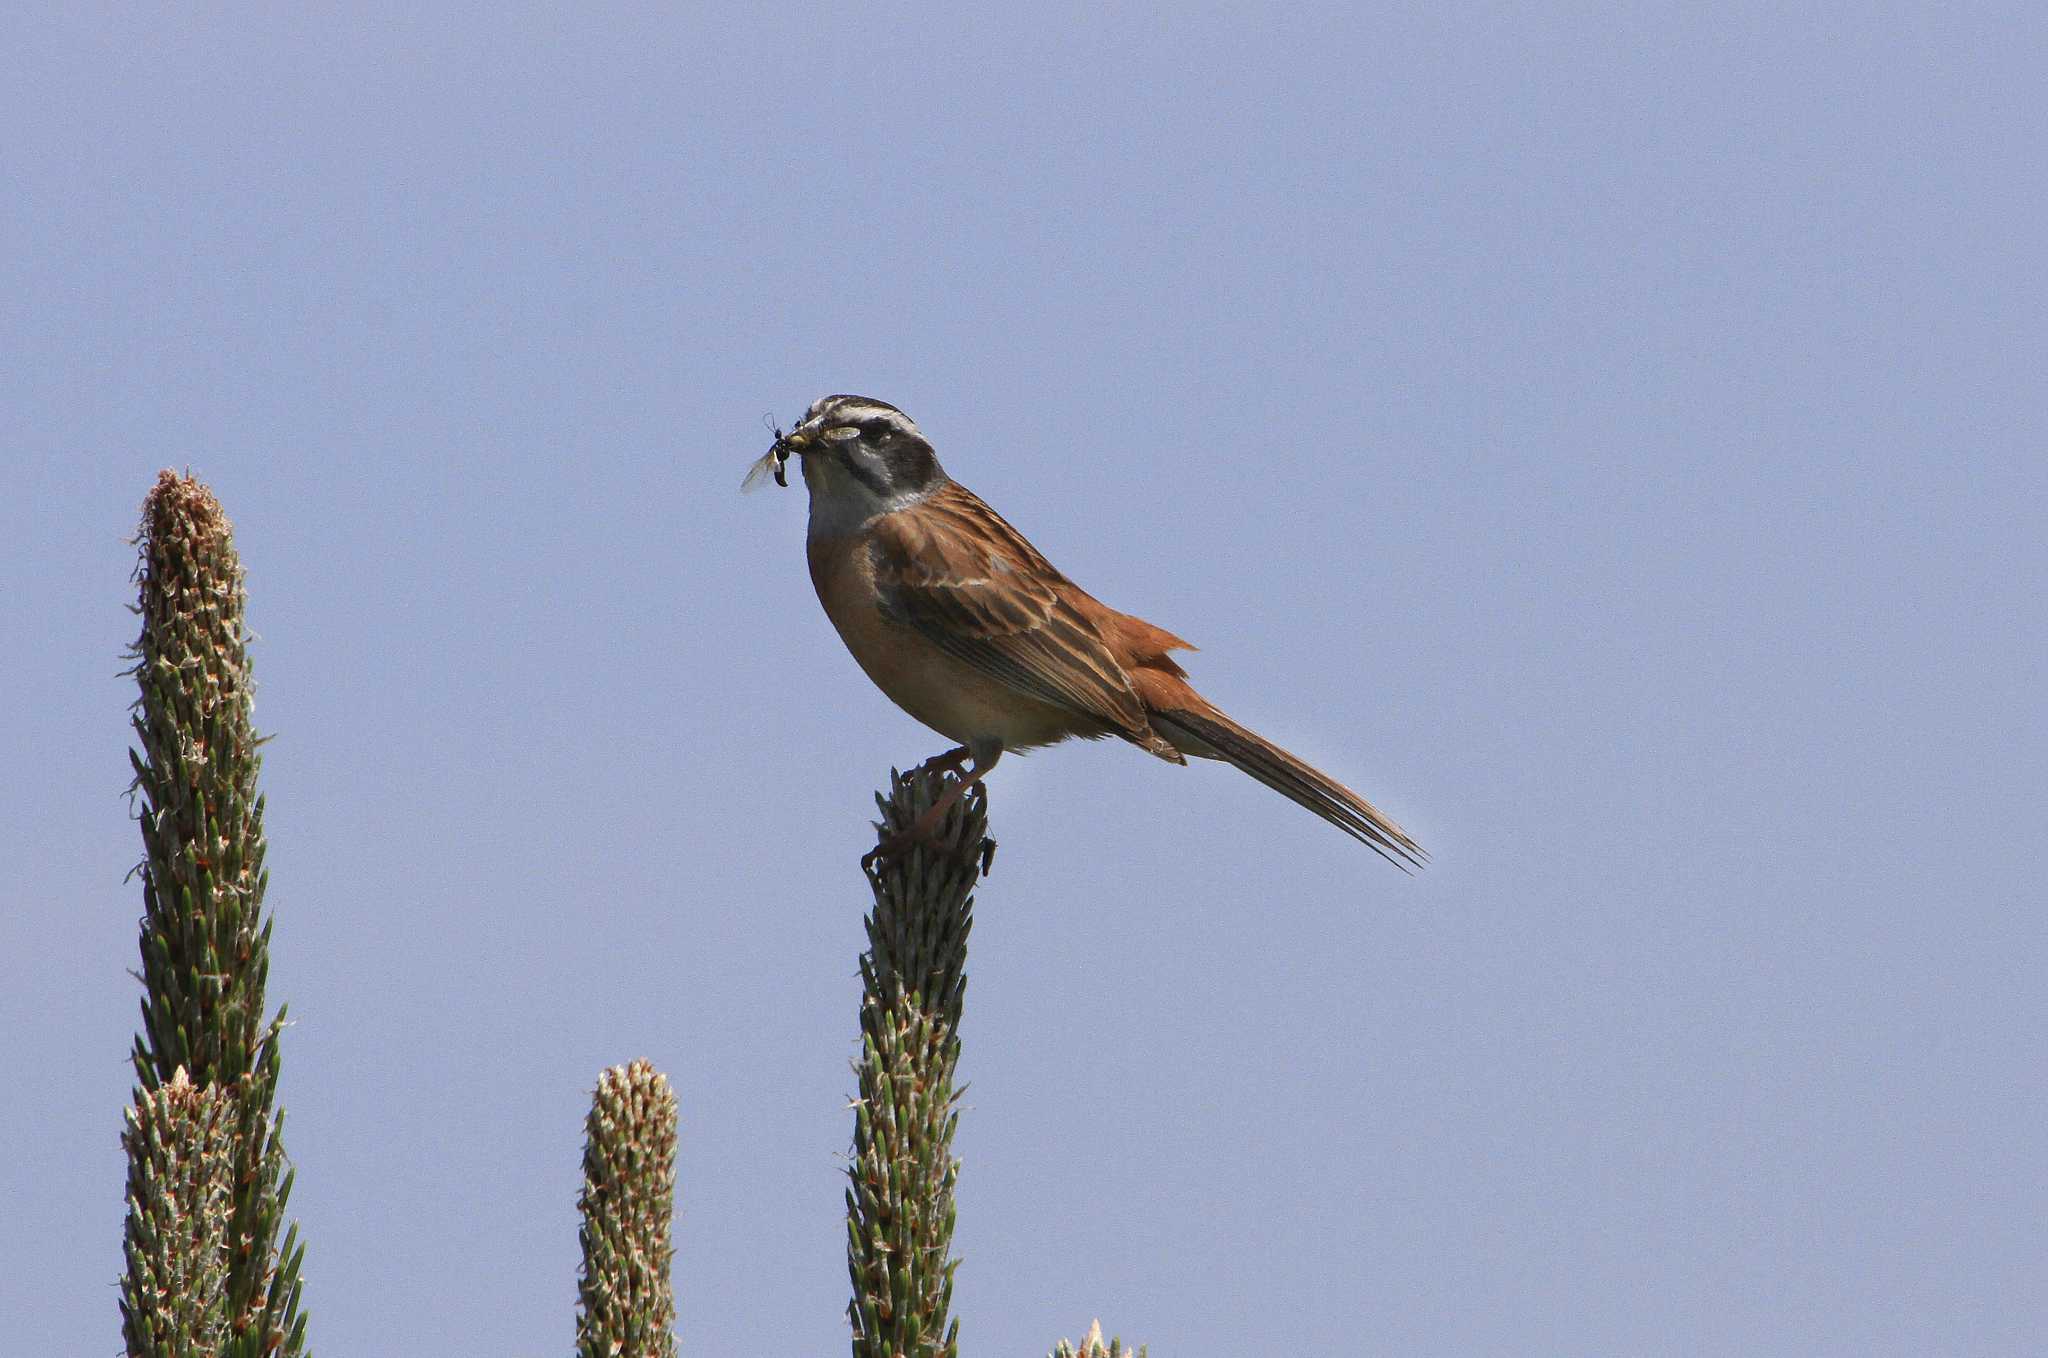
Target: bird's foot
950, 762
897, 845
923, 833
894, 847
924, 830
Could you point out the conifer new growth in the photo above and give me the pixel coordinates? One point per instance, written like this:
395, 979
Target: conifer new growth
204, 941
180, 1143
628, 1203
1093, 1347
899, 1199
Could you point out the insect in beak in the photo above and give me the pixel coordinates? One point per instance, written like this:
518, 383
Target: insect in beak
774, 462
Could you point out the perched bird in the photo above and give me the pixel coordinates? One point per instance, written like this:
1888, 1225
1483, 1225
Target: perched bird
968, 629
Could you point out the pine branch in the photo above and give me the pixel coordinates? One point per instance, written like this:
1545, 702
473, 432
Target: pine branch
899, 1200
204, 942
628, 1204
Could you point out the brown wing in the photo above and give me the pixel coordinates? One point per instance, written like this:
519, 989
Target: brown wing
971, 583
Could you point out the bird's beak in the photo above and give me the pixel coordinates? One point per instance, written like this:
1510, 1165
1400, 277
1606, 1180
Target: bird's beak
797, 442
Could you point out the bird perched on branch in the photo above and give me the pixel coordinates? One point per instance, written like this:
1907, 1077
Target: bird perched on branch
974, 633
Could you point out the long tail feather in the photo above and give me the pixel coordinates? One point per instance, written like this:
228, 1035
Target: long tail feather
1210, 733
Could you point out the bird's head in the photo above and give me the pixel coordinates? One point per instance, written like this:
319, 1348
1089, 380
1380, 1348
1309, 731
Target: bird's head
861, 457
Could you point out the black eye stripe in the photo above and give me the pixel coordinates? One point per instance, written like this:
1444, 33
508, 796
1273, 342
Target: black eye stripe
877, 487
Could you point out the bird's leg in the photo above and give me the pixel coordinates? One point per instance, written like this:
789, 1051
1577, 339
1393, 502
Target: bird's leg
950, 761
920, 831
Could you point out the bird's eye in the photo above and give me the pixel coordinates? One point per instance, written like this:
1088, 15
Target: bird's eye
842, 433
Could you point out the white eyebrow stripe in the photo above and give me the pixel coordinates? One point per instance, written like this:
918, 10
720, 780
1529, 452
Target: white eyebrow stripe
843, 409
855, 414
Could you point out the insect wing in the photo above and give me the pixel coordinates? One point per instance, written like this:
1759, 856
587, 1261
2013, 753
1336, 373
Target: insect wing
767, 465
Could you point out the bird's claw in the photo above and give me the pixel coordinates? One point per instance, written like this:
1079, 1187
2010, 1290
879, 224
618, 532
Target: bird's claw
978, 855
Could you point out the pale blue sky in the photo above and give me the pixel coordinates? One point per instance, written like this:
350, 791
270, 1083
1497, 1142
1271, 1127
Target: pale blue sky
1611, 438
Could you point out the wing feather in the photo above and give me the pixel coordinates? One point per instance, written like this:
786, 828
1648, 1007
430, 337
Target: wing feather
968, 581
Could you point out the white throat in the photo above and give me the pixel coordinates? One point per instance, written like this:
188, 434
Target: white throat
842, 502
